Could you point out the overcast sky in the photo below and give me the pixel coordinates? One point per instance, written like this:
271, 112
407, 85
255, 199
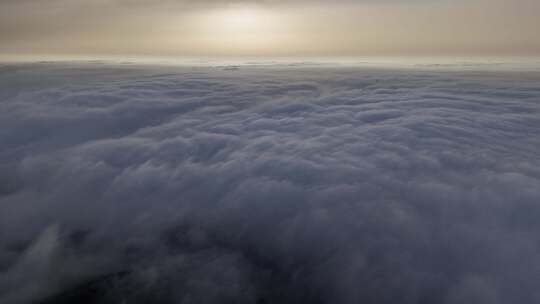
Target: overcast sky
270, 28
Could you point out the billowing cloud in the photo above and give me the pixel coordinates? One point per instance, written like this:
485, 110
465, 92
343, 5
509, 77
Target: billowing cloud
268, 185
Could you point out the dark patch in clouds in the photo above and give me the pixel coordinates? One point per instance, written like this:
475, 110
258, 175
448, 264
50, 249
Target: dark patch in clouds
268, 185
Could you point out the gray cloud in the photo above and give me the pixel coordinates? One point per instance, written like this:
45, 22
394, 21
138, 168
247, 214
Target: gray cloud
268, 185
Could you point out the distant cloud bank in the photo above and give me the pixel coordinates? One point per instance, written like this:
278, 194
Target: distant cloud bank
269, 185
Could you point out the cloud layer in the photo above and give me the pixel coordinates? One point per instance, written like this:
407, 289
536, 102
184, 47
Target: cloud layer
268, 185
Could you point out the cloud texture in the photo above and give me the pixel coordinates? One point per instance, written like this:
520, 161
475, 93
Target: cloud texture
268, 185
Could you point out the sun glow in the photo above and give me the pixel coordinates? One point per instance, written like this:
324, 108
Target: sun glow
241, 19
241, 28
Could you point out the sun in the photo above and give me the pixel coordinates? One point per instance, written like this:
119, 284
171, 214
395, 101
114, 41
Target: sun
240, 27
241, 19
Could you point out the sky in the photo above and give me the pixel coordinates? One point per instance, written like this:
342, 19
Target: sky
270, 28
